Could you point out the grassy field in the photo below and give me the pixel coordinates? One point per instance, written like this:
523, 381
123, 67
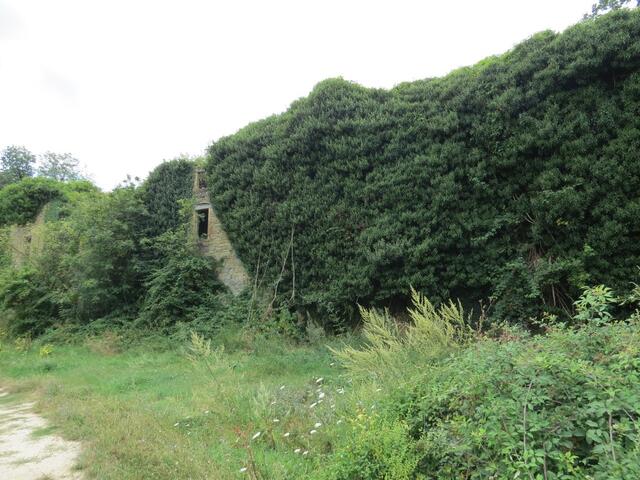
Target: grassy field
153, 412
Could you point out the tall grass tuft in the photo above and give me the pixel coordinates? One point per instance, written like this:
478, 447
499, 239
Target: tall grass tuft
200, 353
431, 333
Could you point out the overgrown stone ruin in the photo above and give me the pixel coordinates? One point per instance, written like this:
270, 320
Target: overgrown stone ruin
26, 240
213, 240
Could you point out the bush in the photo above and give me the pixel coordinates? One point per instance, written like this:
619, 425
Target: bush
26, 302
376, 448
562, 405
182, 286
432, 333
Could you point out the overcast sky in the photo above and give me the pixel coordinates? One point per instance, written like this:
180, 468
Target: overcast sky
125, 84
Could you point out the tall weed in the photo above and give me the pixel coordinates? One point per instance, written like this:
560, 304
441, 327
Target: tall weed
432, 333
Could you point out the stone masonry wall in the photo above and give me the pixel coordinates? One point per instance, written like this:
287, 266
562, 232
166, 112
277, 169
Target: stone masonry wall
216, 244
25, 240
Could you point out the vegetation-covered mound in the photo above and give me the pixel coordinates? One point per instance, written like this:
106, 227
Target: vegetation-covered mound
516, 179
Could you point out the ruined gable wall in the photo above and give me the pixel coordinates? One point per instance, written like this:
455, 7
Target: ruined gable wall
25, 240
216, 244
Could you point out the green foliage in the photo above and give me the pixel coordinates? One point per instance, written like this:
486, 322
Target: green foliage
90, 264
432, 333
20, 202
24, 294
183, 284
106, 270
562, 405
162, 191
376, 448
515, 179
16, 163
594, 305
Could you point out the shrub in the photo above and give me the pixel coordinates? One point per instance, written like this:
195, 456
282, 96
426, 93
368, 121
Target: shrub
594, 305
182, 286
561, 405
432, 333
375, 448
33, 307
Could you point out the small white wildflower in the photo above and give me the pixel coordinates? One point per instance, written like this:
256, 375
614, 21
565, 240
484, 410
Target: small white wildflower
276, 420
281, 387
176, 424
332, 364
256, 435
321, 395
340, 390
313, 404
273, 403
378, 389
297, 450
206, 412
286, 434
312, 432
338, 422
319, 380
243, 469
306, 452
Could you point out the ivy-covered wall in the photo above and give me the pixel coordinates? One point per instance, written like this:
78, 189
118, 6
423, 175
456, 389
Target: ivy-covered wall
516, 179
162, 191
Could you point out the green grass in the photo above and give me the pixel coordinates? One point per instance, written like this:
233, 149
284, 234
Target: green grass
146, 413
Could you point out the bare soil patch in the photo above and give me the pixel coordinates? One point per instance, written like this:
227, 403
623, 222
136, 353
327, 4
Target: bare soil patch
28, 451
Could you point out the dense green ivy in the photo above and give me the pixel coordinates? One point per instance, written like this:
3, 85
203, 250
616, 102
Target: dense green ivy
162, 191
21, 202
517, 179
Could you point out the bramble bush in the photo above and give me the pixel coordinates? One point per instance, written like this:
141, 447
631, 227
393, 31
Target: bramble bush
562, 405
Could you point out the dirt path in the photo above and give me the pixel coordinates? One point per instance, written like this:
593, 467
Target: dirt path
25, 456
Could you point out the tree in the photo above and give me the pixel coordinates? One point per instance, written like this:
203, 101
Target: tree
604, 6
59, 166
16, 163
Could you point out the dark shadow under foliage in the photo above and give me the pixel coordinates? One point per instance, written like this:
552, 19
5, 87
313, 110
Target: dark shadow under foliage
517, 178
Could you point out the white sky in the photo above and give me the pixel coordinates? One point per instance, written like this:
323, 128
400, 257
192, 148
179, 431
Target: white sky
124, 84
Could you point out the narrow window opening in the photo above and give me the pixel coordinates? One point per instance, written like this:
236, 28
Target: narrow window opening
203, 222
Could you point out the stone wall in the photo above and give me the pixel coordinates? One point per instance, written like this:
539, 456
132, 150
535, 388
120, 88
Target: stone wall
25, 240
216, 244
